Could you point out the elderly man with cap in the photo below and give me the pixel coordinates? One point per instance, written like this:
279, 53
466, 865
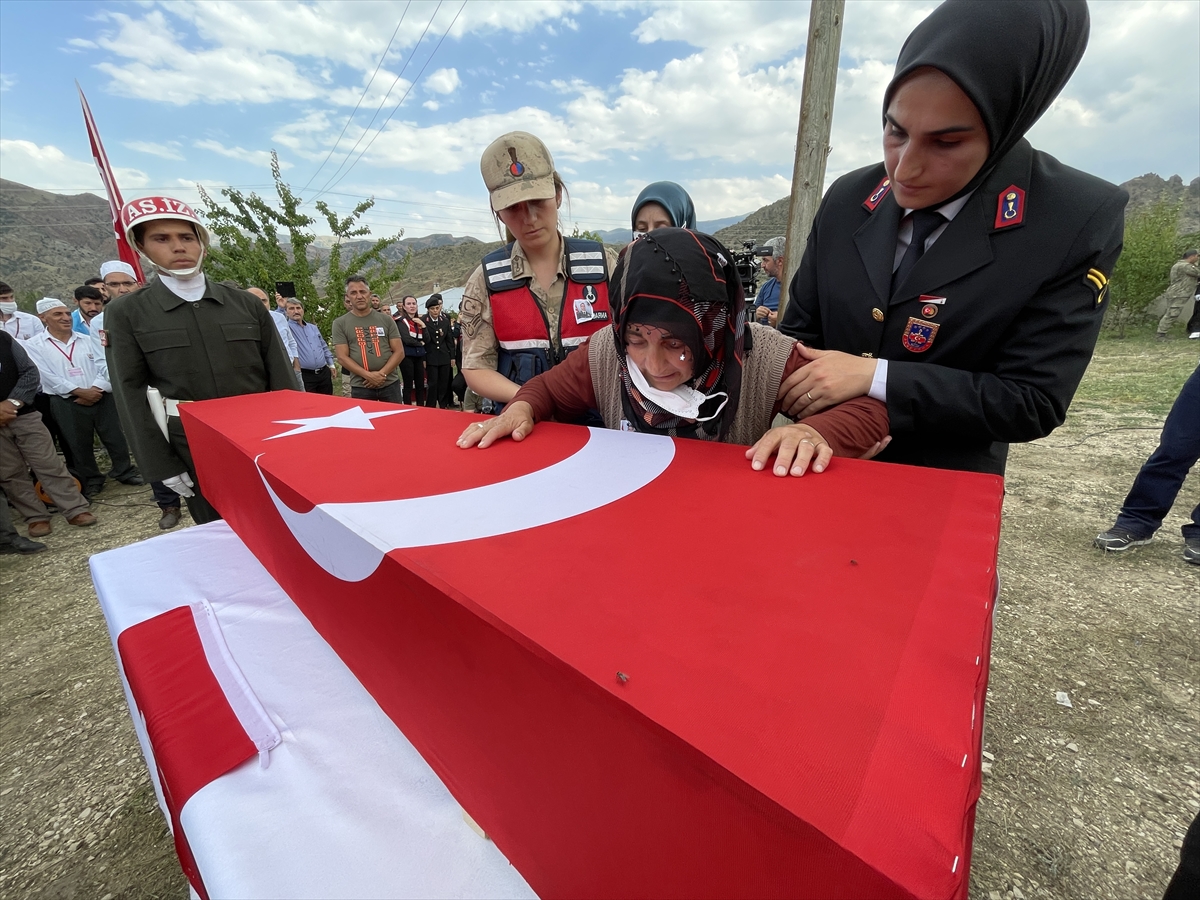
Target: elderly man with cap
26, 444
766, 303
20, 325
75, 378
186, 336
119, 278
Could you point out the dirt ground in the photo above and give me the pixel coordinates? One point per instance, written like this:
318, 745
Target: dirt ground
1080, 803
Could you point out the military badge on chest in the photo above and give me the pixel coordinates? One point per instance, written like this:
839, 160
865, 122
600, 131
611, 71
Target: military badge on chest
918, 335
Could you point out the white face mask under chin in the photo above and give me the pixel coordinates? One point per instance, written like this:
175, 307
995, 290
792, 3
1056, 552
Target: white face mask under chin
684, 402
8, 308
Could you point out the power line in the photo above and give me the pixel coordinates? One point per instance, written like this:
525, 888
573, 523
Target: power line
350, 118
383, 103
406, 93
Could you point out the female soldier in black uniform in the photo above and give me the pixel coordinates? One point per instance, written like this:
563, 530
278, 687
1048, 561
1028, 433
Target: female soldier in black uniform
977, 331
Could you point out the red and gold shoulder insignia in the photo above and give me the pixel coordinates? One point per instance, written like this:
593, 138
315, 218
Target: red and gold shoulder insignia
877, 195
1010, 207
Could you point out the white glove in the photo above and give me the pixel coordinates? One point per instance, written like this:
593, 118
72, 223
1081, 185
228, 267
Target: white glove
181, 484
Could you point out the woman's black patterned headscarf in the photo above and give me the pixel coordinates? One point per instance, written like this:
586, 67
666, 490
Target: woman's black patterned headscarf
1010, 57
684, 282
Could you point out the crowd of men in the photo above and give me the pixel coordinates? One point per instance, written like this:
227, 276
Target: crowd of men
56, 396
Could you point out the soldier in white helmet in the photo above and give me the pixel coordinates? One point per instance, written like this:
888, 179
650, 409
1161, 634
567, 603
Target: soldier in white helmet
186, 336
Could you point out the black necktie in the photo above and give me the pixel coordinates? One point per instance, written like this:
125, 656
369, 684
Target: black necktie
925, 222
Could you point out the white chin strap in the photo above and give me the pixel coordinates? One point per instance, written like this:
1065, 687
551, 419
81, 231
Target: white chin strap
180, 273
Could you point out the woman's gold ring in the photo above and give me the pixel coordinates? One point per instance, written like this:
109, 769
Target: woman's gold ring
478, 424
808, 394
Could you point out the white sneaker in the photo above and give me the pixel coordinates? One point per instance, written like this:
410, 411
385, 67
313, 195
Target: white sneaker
1194, 336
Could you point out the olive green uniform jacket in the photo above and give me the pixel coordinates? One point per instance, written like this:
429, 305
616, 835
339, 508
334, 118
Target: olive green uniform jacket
223, 345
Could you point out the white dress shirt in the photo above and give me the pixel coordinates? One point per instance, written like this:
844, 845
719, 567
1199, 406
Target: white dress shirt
285, 334
22, 325
66, 365
903, 239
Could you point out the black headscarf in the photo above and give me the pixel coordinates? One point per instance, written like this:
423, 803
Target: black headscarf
1010, 57
686, 283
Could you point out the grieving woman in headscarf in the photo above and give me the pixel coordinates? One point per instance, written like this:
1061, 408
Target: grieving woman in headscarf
964, 279
663, 204
680, 360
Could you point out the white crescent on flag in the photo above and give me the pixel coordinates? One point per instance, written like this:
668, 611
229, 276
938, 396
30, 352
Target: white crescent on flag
349, 540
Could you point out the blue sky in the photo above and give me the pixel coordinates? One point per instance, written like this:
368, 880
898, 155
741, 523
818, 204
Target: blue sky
706, 94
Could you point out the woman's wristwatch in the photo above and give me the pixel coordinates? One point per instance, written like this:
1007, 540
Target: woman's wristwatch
17, 403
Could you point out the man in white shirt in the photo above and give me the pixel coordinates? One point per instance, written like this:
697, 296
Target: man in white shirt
75, 378
285, 332
20, 325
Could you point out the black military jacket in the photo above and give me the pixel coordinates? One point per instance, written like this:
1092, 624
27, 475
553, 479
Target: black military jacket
222, 345
990, 333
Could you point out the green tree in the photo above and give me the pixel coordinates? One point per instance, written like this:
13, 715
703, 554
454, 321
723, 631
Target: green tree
257, 243
369, 262
1142, 272
587, 235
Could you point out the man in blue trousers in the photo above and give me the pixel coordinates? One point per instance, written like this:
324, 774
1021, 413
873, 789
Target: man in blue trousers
1157, 484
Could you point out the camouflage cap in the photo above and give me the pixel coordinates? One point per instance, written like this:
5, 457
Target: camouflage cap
517, 167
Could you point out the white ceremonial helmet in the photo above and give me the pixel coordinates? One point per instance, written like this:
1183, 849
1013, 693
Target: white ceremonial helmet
150, 209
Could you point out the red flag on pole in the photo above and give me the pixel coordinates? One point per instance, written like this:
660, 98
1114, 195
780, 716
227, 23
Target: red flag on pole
115, 201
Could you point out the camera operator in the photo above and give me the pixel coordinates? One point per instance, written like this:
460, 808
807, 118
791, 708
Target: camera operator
766, 304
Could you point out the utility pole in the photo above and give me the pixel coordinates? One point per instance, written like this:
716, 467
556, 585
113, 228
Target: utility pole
812, 138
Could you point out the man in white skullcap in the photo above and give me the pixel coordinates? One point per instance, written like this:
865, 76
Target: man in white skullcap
119, 279
20, 325
75, 378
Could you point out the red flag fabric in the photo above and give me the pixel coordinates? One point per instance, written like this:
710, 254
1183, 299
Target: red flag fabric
578, 635
115, 201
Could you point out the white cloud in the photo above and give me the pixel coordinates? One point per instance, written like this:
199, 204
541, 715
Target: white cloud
431, 105
443, 81
6, 82
160, 68
169, 150
228, 64
48, 168
254, 157
385, 90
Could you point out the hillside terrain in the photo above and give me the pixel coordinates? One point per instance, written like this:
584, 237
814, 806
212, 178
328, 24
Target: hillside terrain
50, 243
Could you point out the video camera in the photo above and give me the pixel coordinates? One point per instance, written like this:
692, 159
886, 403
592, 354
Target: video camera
747, 263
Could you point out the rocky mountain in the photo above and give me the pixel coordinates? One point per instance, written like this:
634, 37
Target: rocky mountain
1145, 189
50, 243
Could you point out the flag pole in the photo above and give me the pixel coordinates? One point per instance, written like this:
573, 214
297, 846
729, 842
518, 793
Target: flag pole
115, 201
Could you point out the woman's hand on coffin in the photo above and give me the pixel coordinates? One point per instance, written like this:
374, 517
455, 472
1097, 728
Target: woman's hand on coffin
794, 448
516, 422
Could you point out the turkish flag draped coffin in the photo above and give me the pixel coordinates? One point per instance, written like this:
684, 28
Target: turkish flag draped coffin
598, 642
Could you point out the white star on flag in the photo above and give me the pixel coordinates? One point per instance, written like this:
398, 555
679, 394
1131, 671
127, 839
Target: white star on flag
353, 418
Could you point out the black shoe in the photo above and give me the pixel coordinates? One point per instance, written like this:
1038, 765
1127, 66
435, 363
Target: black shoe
133, 480
1161, 337
22, 545
170, 517
1191, 550
1117, 539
